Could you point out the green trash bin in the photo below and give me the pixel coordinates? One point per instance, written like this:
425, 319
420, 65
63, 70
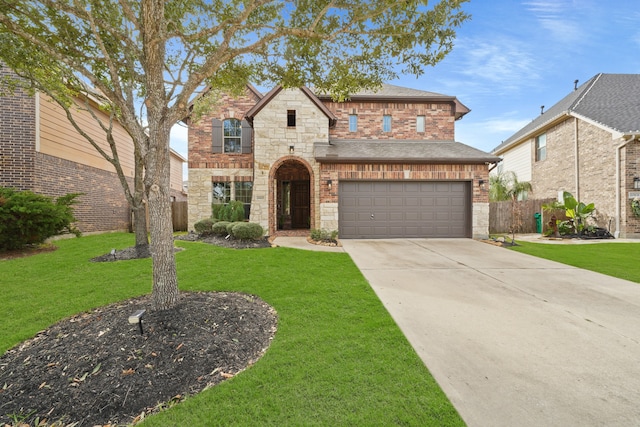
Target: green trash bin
538, 217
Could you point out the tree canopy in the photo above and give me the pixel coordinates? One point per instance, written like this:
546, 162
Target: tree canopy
146, 60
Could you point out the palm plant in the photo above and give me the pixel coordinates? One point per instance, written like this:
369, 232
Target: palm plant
505, 186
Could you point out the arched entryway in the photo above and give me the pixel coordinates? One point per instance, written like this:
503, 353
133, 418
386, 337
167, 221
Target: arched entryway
292, 196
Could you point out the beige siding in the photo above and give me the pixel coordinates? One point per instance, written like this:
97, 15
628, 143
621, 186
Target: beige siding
177, 165
518, 160
60, 139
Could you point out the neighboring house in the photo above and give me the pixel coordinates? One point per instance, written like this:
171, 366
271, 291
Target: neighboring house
586, 144
40, 151
381, 164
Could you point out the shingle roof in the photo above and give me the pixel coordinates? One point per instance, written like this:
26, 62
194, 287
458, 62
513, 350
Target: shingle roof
414, 151
398, 93
610, 100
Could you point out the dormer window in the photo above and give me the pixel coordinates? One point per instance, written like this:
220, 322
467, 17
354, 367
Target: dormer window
291, 118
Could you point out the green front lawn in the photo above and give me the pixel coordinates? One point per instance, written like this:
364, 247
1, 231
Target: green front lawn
337, 358
613, 259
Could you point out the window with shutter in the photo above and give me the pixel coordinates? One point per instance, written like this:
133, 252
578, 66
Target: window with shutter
247, 133
216, 136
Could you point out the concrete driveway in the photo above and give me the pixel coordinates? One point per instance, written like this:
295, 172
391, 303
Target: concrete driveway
513, 340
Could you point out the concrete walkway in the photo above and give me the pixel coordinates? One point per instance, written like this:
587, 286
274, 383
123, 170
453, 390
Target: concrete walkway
303, 243
513, 340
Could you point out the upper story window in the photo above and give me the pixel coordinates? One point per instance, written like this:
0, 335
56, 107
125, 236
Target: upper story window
386, 123
420, 124
291, 118
353, 123
541, 147
232, 136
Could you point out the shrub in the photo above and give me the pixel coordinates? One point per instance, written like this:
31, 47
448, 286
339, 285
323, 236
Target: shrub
246, 230
215, 210
204, 227
230, 227
29, 218
220, 228
323, 235
232, 211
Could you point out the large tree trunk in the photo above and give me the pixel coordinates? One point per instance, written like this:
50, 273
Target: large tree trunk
140, 230
165, 280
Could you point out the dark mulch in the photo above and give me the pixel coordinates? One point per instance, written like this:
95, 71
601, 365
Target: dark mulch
96, 368
130, 253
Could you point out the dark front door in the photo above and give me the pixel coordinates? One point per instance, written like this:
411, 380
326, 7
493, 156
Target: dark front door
300, 204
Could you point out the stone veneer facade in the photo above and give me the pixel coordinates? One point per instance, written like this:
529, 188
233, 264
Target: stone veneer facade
275, 144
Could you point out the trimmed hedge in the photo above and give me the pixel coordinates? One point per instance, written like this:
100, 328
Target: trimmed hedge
246, 230
220, 228
205, 226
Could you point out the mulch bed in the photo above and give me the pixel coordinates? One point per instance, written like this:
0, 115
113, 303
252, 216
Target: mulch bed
97, 369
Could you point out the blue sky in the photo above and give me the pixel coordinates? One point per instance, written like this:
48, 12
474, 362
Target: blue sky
515, 55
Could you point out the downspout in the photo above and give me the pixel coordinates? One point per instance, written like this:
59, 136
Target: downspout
576, 154
619, 148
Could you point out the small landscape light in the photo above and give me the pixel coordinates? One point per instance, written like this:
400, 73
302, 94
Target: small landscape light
137, 318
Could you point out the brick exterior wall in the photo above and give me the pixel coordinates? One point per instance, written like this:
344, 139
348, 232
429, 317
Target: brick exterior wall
102, 207
271, 156
418, 172
17, 138
596, 179
630, 159
205, 167
439, 120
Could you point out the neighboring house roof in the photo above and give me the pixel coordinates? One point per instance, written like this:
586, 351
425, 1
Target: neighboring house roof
414, 151
609, 101
177, 155
273, 92
398, 93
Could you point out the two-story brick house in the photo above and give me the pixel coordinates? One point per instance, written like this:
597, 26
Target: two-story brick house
382, 164
587, 144
40, 151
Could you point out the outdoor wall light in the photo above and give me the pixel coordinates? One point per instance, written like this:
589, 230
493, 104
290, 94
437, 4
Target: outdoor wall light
481, 183
636, 183
329, 183
291, 149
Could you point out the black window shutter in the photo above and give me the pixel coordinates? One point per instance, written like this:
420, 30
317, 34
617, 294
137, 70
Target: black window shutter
247, 133
216, 134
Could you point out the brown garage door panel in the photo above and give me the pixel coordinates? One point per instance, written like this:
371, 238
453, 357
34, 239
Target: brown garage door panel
387, 209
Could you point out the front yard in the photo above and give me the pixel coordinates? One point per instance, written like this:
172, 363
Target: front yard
337, 357
613, 259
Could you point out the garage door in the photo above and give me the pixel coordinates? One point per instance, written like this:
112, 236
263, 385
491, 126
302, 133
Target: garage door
387, 209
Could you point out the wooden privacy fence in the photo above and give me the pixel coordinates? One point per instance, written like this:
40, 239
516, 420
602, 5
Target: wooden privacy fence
179, 215
500, 215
